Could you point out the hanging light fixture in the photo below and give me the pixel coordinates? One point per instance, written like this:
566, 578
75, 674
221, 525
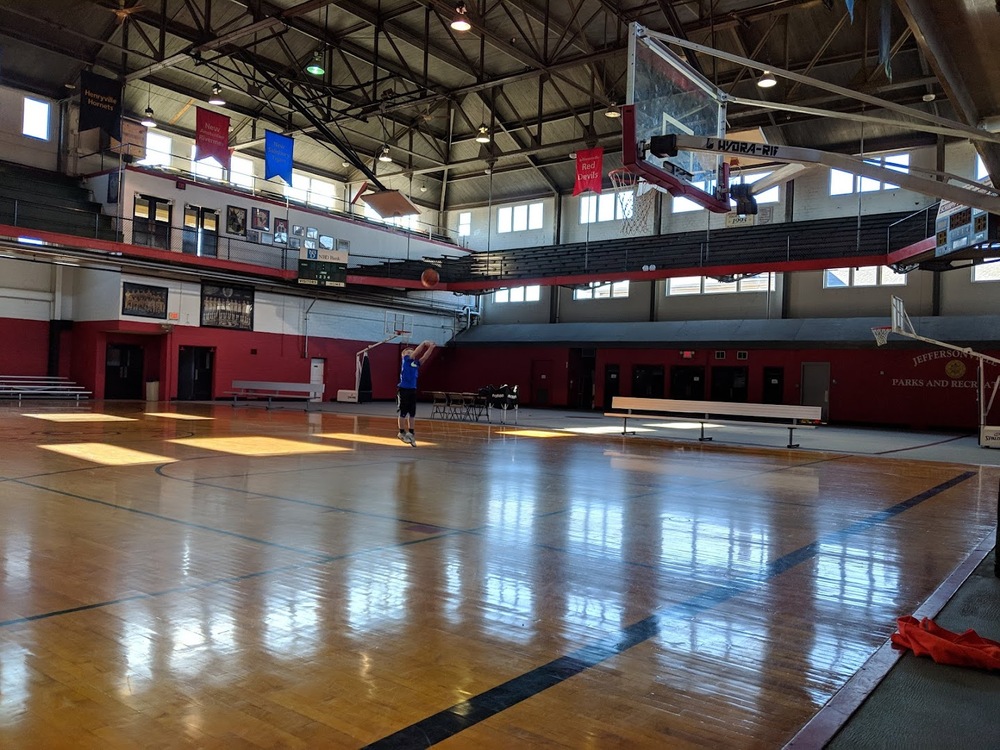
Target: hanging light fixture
460, 22
148, 120
767, 80
384, 156
315, 66
483, 136
612, 111
216, 97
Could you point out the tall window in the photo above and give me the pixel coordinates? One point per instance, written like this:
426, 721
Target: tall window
840, 278
241, 171
465, 224
986, 271
682, 285
35, 122
602, 290
157, 150
845, 183
682, 205
606, 207
519, 218
518, 294
208, 167
310, 190
771, 195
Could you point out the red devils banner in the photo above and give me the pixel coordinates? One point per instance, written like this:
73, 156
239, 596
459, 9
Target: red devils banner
212, 138
589, 168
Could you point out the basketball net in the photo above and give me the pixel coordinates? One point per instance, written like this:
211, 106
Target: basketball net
881, 334
635, 217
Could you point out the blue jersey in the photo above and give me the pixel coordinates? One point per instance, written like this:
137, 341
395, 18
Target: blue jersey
408, 372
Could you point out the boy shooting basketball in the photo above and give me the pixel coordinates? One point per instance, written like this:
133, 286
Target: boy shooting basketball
406, 392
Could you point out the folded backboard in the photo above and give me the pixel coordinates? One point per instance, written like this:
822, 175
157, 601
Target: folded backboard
390, 203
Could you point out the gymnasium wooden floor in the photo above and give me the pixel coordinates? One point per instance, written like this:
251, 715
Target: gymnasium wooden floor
214, 577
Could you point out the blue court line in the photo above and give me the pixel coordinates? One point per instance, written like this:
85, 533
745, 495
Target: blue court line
461, 716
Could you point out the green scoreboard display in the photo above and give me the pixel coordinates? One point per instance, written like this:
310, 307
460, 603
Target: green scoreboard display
321, 267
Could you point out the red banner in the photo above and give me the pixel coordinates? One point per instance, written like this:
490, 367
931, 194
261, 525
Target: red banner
589, 169
212, 138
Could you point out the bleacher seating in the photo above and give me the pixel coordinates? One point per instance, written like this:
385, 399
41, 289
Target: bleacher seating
31, 387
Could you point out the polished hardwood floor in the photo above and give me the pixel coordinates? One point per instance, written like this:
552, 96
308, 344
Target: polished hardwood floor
212, 577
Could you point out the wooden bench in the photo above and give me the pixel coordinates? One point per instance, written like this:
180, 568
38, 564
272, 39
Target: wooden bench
263, 389
28, 387
767, 415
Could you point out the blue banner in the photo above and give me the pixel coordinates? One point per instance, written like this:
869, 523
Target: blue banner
850, 9
277, 156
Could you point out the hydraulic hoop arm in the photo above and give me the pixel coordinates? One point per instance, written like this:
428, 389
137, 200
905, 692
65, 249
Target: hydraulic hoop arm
987, 199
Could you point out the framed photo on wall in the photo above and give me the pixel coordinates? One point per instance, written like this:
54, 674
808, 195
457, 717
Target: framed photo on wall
312, 233
144, 301
260, 219
280, 231
295, 243
297, 230
326, 242
227, 307
236, 221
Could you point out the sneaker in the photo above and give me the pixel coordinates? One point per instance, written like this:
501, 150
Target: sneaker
402, 436
411, 440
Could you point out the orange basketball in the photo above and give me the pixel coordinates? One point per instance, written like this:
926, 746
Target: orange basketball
429, 277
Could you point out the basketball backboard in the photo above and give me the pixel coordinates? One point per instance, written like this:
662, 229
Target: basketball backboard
668, 97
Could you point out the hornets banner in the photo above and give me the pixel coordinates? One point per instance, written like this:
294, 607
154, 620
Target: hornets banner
100, 104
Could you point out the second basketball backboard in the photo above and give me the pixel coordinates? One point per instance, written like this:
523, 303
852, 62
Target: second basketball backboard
666, 96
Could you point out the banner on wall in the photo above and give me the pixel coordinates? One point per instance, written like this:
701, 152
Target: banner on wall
278, 156
589, 170
100, 104
212, 138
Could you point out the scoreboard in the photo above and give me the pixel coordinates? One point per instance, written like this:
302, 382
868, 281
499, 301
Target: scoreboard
961, 226
322, 267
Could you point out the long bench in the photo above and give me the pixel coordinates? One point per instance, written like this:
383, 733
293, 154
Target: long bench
249, 389
766, 415
28, 387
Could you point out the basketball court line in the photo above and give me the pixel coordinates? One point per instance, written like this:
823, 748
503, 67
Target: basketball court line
449, 722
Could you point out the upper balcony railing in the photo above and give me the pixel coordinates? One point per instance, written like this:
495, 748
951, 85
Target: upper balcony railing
335, 202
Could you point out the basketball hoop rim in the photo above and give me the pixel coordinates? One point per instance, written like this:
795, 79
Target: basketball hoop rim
881, 334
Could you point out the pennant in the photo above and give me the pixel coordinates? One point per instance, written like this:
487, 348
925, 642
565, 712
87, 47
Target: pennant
100, 104
278, 156
589, 170
850, 9
212, 137
885, 37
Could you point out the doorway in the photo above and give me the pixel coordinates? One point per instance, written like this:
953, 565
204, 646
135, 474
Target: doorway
687, 382
816, 386
123, 369
194, 373
729, 384
201, 231
582, 366
612, 385
774, 385
541, 381
647, 381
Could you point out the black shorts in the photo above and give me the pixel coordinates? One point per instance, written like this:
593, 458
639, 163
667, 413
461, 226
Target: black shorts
406, 402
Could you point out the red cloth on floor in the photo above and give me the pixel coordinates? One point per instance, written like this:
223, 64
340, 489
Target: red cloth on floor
926, 638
